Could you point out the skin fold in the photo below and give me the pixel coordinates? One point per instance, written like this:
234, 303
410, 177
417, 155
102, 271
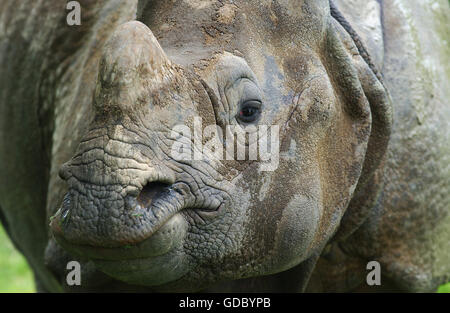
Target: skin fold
359, 99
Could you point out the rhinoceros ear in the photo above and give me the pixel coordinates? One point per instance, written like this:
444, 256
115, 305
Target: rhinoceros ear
346, 51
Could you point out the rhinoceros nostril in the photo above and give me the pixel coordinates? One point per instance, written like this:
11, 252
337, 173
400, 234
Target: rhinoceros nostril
150, 192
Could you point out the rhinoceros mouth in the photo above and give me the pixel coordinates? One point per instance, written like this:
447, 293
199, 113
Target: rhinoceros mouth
159, 243
155, 216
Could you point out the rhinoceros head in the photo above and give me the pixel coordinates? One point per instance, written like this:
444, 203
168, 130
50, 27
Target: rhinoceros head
159, 195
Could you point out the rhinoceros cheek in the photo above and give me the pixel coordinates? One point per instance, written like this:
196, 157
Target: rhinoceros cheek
297, 231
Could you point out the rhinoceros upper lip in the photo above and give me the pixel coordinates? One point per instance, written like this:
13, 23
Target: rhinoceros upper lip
153, 211
141, 250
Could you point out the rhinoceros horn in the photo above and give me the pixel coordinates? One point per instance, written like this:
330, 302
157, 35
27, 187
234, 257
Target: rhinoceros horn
133, 66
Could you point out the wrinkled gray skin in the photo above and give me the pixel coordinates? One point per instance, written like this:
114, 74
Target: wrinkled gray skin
102, 98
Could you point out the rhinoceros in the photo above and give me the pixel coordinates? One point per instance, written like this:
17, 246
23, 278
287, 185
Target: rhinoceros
357, 89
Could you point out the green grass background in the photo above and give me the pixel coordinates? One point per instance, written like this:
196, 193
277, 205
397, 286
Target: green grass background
16, 276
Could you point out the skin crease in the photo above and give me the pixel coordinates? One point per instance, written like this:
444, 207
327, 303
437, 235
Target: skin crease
138, 220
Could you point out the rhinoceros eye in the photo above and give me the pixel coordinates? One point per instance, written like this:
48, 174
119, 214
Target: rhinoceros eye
250, 111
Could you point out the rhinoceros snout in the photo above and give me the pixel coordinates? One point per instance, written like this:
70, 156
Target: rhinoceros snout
115, 198
111, 227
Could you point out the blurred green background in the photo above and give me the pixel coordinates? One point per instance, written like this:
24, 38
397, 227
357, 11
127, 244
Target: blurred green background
15, 275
